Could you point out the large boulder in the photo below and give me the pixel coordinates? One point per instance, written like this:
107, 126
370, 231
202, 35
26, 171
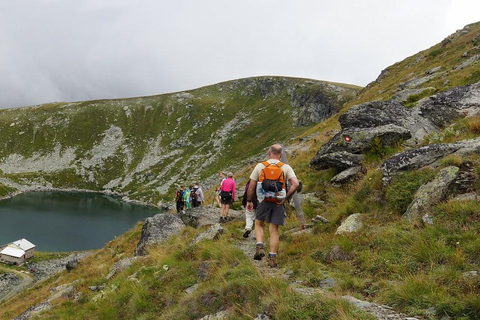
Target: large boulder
374, 114
428, 155
445, 107
352, 224
158, 229
415, 159
342, 160
431, 193
358, 140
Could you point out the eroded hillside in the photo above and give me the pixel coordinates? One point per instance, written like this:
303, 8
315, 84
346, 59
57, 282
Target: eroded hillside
142, 148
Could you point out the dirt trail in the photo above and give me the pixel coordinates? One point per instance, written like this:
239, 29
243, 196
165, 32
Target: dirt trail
25, 280
380, 312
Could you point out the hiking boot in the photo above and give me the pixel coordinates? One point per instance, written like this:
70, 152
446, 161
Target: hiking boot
272, 261
259, 253
221, 220
247, 233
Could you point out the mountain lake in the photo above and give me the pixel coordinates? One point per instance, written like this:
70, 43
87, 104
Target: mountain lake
65, 221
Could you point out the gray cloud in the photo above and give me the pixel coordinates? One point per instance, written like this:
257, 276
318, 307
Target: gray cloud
56, 50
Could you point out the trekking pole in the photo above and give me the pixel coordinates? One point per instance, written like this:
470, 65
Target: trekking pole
295, 198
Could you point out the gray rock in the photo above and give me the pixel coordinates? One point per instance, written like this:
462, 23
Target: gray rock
120, 266
472, 196
321, 219
348, 175
415, 159
352, 224
374, 114
337, 254
470, 274
157, 229
202, 271
204, 216
431, 193
328, 283
361, 139
341, 160
427, 219
211, 234
71, 264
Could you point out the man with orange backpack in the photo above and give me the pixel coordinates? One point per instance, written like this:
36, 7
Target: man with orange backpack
268, 180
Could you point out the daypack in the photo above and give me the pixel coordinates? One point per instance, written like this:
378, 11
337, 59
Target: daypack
194, 194
272, 179
226, 195
179, 196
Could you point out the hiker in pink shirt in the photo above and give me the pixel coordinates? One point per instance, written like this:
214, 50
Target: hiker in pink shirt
227, 196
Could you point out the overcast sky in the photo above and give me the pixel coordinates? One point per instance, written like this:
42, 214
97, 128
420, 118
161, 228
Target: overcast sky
54, 50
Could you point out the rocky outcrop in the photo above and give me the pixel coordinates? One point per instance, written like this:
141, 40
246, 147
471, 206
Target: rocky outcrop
358, 140
415, 159
158, 229
375, 125
342, 160
431, 193
349, 175
428, 155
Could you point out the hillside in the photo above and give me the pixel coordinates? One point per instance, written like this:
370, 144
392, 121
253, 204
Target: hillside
142, 148
411, 251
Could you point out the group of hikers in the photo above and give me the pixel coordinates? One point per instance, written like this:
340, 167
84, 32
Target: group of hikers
188, 198
264, 200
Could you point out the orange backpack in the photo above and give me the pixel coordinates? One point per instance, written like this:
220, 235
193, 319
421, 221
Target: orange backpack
272, 178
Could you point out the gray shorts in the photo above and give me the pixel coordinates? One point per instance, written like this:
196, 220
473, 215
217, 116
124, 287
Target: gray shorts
269, 212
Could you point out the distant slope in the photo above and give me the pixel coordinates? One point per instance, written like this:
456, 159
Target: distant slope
142, 148
453, 62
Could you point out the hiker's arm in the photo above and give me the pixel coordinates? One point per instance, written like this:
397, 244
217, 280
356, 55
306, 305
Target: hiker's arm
291, 191
251, 193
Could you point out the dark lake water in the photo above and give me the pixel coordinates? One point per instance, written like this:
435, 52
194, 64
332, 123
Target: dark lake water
62, 221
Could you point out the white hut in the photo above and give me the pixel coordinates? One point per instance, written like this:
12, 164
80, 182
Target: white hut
13, 254
17, 252
26, 246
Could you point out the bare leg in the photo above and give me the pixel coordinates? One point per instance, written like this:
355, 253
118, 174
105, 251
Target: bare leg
227, 207
259, 230
274, 239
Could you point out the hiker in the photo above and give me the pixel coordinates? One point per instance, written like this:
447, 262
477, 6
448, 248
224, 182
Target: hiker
272, 195
227, 196
249, 214
186, 198
217, 190
197, 195
179, 199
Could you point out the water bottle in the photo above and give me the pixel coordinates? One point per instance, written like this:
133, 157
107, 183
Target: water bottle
260, 192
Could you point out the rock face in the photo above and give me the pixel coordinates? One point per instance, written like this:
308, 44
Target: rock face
157, 229
428, 155
415, 159
431, 193
380, 124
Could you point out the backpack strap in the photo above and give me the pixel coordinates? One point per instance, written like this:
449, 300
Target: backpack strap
279, 164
